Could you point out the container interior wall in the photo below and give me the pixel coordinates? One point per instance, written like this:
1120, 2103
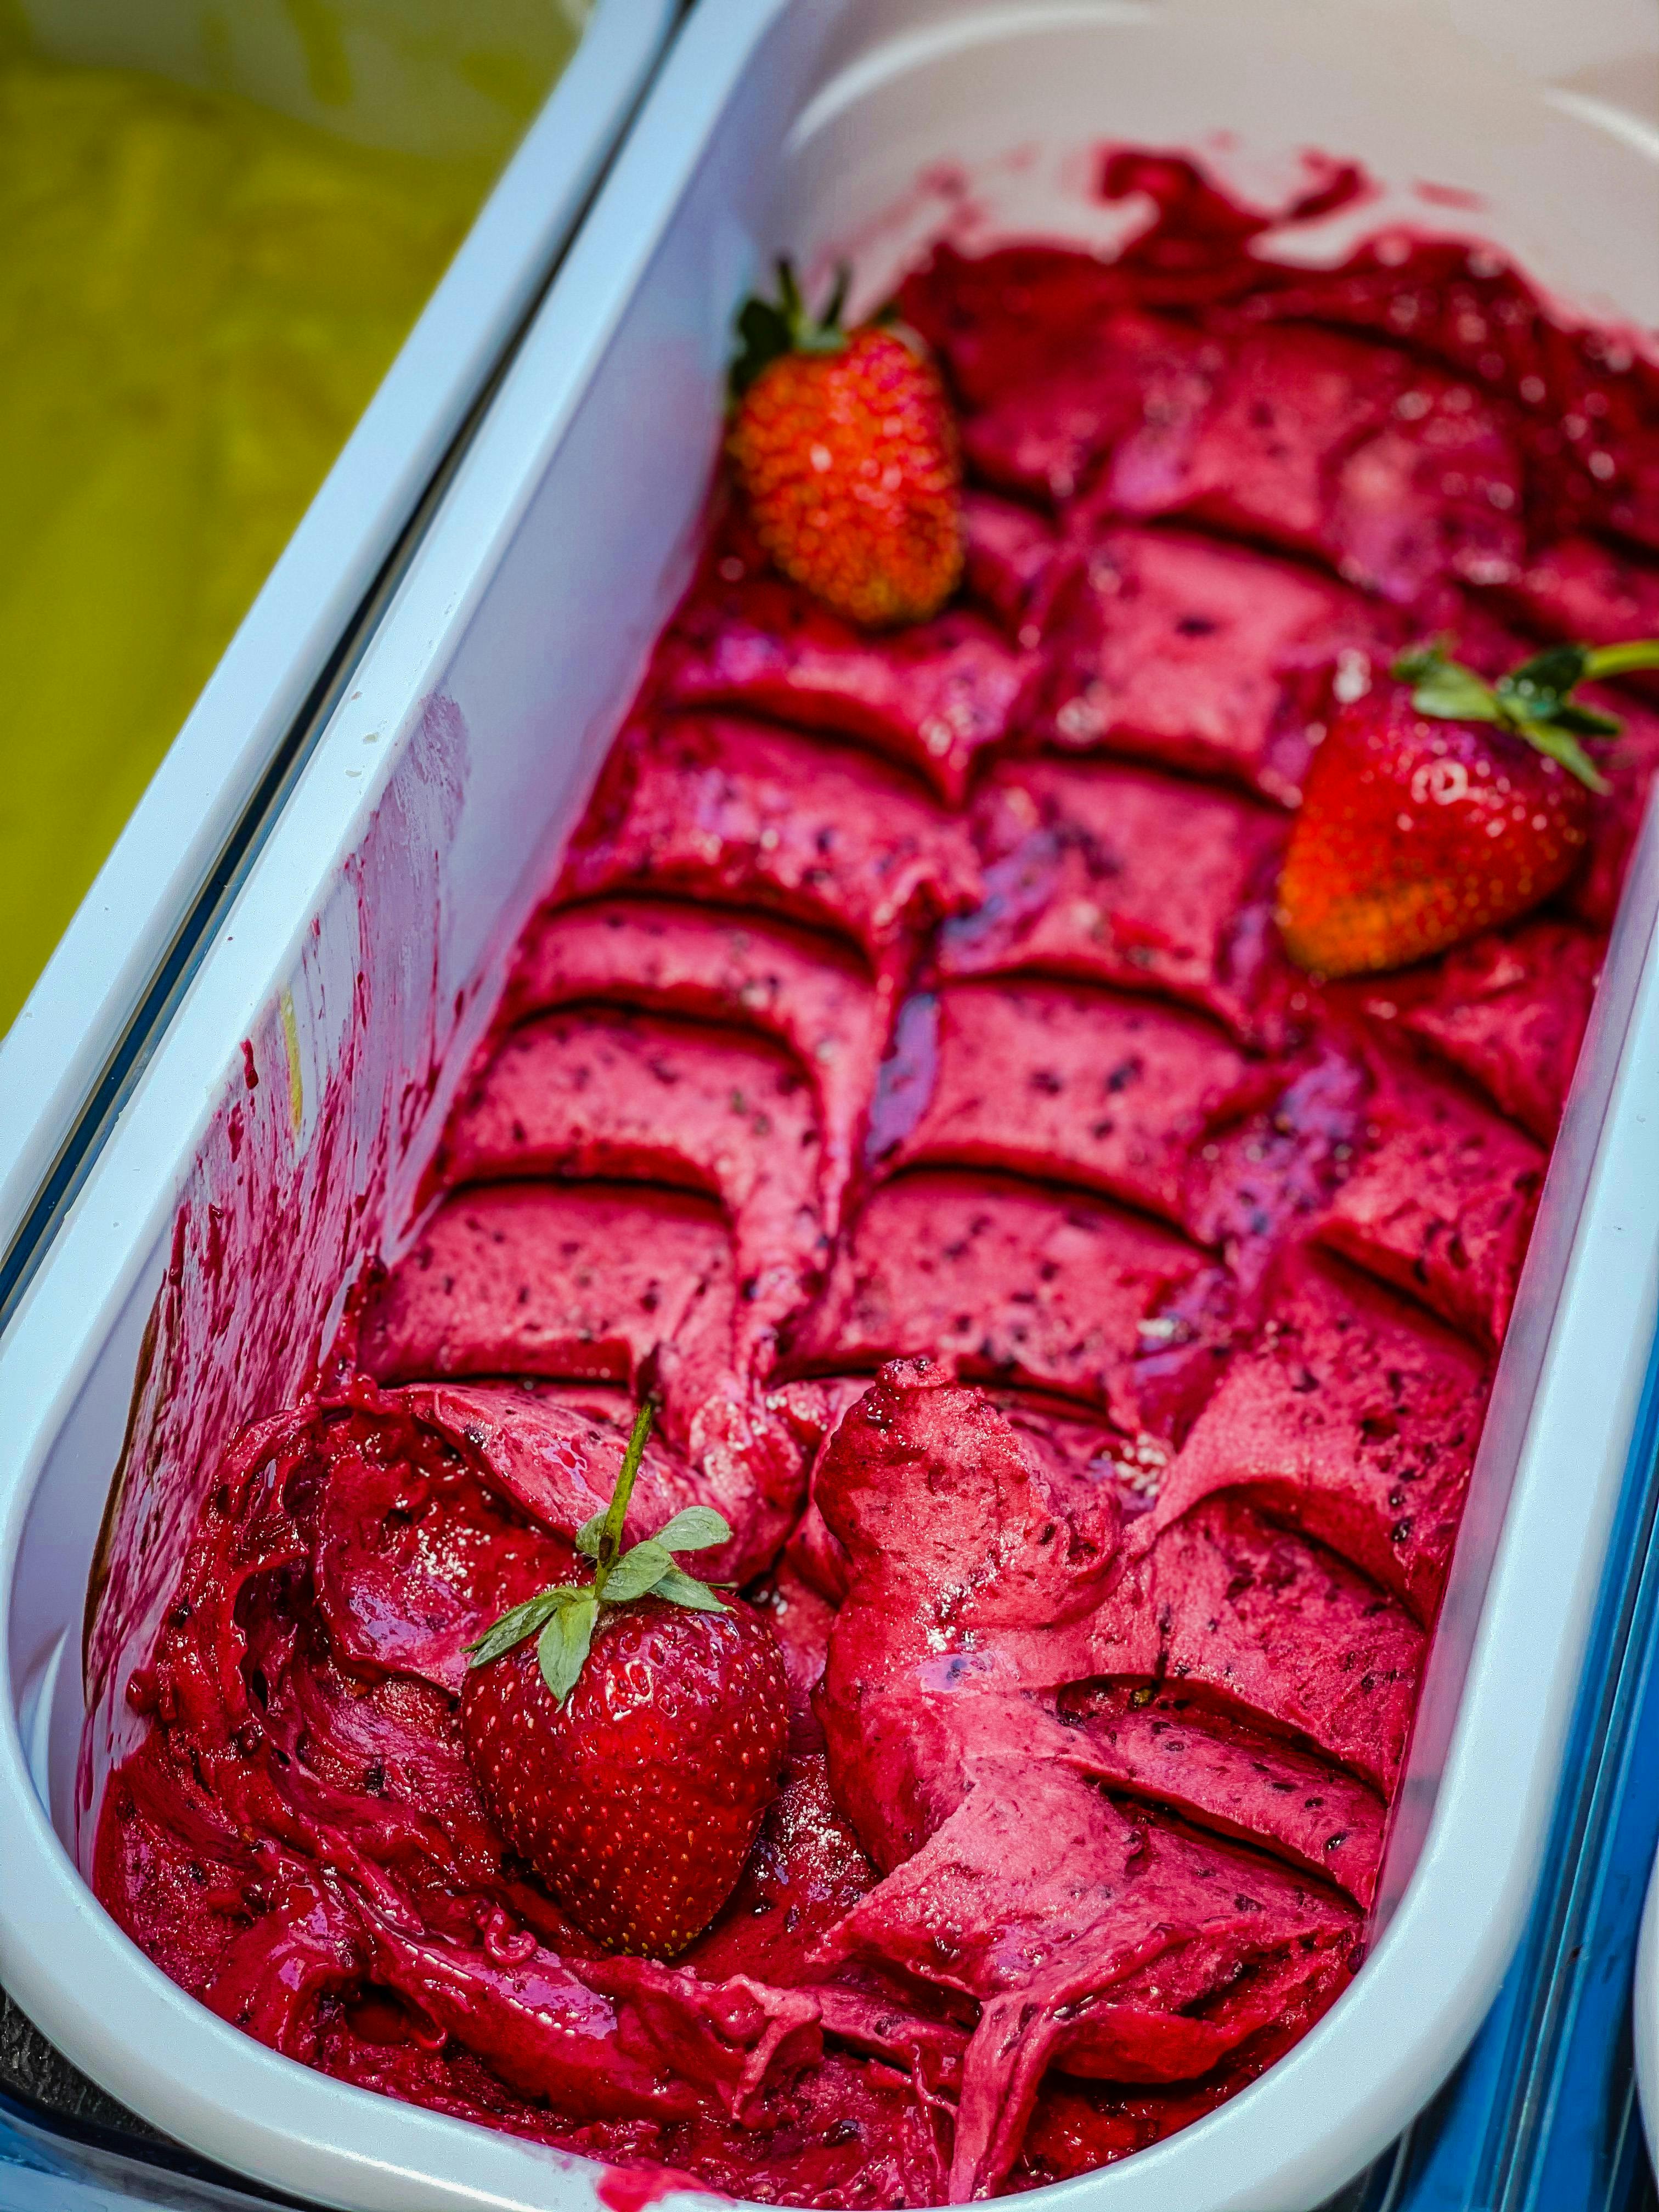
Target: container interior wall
416, 76
866, 133
48, 1621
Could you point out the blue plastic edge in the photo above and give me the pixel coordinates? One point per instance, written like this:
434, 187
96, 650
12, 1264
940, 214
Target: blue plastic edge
1542, 2116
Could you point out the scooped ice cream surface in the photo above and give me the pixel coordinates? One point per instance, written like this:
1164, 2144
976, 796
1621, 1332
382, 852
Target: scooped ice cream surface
1081, 1318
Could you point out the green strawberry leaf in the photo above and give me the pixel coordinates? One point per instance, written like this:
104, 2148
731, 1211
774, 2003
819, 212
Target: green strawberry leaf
767, 329
1560, 744
681, 1589
639, 1570
588, 1535
1444, 688
564, 1645
512, 1627
1419, 661
1545, 679
1587, 722
1453, 694
693, 1529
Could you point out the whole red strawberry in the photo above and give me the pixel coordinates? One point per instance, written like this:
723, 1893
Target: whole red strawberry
631, 1754
845, 446
1434, 812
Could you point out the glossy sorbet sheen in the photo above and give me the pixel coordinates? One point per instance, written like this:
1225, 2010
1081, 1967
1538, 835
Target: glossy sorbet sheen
197, 299
1079, 1318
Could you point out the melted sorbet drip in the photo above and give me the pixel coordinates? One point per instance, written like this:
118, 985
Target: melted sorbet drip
918, 997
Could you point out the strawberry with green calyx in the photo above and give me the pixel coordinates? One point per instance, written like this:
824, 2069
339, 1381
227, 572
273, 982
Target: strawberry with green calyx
630, 1753
1431, 813
567, 1615
846, 448
1534, 700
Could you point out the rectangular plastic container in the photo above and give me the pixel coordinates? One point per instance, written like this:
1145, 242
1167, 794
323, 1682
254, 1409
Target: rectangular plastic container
391, 77
307, 1069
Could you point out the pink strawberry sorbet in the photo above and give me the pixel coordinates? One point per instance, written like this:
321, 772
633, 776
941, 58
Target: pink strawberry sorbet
1084, 1321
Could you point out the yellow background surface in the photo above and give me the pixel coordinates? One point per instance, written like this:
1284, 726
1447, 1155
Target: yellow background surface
199, 296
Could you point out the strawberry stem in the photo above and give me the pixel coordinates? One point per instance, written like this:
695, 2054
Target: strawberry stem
617, 1512
789, 297
1619, 659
